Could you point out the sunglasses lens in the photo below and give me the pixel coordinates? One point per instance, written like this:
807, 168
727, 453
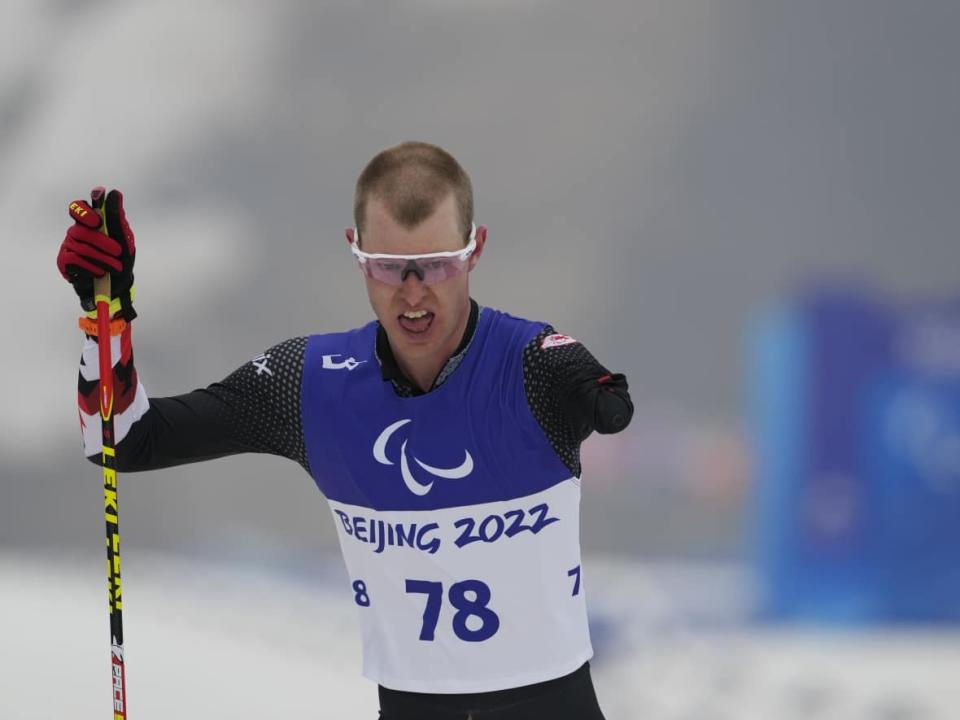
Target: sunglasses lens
430, 271
388, 271
440, 269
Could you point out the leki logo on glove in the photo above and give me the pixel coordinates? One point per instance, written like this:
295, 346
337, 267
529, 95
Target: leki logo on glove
413, 485
77, 208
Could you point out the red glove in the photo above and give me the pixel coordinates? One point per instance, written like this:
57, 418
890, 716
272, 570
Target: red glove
89, 250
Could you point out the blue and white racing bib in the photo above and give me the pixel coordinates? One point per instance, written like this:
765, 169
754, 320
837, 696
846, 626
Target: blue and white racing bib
458, 523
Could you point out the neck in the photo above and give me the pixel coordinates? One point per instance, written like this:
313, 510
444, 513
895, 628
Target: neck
423, 371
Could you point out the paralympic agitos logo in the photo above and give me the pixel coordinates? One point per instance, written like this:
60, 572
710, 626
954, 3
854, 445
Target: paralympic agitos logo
414, 485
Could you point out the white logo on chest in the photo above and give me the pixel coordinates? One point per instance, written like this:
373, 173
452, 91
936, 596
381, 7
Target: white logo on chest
413, 485
350, 363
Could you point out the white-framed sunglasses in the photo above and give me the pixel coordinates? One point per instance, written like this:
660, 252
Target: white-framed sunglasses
430, 268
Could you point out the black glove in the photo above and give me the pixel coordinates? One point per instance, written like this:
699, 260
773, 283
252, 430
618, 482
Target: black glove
90, 249
599, 403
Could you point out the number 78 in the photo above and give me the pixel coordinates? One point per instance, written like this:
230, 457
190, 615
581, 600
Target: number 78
466, 607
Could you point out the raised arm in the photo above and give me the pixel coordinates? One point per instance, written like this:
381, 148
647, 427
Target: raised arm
255, 409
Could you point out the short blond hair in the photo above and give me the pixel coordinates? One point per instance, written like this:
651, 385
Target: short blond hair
412, 179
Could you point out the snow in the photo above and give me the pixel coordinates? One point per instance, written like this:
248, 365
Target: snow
215, 639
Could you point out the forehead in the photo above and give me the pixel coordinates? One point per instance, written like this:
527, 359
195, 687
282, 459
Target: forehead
383, 234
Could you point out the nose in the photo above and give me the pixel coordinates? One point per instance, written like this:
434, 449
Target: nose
413, 289
412, 267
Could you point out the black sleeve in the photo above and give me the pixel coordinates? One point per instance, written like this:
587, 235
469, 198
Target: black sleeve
571, 394
255, 409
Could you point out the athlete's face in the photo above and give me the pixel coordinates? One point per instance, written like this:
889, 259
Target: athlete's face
424, 323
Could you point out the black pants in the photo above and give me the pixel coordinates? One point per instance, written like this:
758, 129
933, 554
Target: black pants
570, 697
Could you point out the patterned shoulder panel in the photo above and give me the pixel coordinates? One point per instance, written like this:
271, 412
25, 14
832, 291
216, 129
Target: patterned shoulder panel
263, 398
552, 366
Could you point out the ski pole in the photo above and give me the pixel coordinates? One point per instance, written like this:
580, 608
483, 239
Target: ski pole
101, 293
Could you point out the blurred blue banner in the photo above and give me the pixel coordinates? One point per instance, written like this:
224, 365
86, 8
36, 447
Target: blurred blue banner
856, 416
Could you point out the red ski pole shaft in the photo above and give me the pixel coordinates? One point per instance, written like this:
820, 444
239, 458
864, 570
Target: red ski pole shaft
102, 292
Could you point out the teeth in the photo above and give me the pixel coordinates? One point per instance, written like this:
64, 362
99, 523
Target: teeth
414, 314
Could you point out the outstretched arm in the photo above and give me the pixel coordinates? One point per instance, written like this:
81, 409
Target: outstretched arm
254, 409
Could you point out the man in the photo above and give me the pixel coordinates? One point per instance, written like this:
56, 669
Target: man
445, 437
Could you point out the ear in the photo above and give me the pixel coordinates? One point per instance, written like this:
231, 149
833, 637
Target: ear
350, 233
481, 238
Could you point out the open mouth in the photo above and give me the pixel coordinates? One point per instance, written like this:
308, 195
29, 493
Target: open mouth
416, 322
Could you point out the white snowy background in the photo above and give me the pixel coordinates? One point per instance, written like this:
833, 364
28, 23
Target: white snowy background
651, 173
